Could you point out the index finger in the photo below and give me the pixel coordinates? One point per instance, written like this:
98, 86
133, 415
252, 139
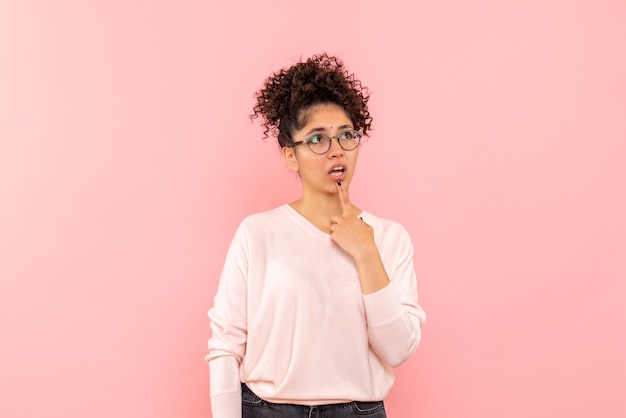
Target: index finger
343, 198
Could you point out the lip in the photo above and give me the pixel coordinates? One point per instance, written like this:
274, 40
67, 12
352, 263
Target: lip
336, 177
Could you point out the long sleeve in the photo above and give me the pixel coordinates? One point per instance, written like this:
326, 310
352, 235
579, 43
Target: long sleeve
225, 388
394, 318
229, 332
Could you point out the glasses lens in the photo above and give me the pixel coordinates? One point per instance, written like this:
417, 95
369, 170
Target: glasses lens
319, 143
349, 140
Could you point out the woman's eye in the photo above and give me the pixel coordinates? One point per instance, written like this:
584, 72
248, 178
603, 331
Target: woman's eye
347, 135
315, 139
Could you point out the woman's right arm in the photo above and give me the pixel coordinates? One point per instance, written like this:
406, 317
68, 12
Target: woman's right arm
229, 331
225, 387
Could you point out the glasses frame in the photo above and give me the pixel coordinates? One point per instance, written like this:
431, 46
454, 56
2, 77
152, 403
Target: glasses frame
357, 134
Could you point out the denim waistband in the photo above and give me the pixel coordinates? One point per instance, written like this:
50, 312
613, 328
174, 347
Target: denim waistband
255, 406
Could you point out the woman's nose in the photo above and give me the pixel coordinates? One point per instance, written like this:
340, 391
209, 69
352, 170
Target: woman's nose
335, 148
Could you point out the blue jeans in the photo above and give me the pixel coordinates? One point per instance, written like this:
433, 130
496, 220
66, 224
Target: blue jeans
255, 407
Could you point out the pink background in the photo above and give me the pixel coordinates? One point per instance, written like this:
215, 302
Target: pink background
127, 160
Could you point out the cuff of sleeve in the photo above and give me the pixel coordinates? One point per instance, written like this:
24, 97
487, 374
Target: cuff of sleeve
382, 307
226, 405
225, 387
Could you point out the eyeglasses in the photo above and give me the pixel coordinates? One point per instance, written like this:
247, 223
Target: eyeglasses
320, 143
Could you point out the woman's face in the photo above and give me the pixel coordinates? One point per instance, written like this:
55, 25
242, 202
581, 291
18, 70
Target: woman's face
320, 172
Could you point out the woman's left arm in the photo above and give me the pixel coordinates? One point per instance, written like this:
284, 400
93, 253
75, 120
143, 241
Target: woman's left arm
388, 282
388, 285
394, 317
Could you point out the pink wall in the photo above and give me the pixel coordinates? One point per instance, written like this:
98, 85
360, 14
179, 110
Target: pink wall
127, 160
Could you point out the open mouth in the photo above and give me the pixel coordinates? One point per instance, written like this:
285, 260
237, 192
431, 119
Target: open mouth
337, 171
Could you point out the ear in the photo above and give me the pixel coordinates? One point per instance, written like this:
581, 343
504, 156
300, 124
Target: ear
289, 154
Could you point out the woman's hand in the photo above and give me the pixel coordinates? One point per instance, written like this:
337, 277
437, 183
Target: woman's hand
351, 233
356, 238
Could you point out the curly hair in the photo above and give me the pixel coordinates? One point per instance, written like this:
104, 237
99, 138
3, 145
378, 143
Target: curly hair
288, 93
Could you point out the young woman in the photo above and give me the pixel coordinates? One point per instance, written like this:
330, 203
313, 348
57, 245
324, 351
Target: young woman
317, 299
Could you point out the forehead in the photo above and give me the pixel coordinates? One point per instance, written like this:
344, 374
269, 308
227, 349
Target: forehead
325, 116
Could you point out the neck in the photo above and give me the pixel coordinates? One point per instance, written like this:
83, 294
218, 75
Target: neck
318, 208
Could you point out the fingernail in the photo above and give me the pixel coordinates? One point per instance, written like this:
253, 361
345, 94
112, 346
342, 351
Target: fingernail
338, 182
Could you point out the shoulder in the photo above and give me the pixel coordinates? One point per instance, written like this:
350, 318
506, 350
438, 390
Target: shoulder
392, 239
261, 218
384, 226
263, 222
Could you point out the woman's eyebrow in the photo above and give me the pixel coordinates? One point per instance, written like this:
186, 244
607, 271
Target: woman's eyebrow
324, 130
342, 127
